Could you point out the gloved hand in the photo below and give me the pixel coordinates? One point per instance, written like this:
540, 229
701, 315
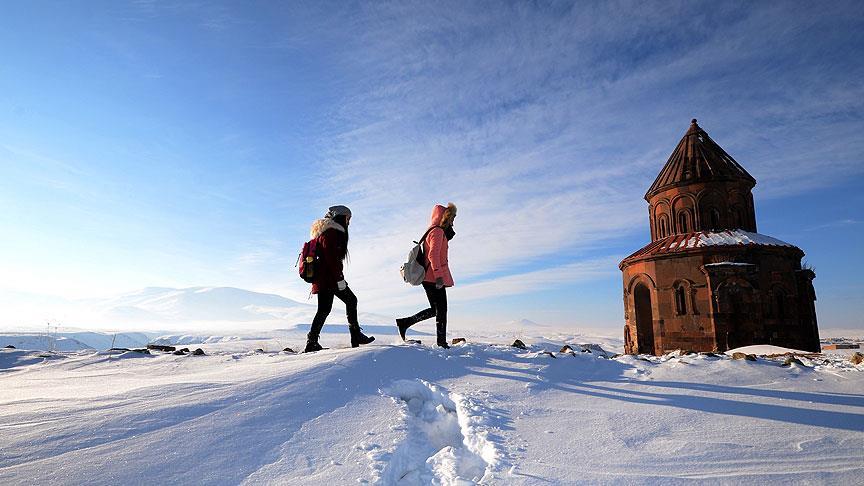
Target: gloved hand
439, 283
341, 285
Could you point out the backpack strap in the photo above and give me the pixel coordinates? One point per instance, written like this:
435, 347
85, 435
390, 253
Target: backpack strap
423, 238
423, 241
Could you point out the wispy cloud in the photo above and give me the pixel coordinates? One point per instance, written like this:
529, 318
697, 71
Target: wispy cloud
527, 282
546, 125
840, 223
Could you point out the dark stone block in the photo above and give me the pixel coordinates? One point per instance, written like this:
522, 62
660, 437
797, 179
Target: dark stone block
159, 347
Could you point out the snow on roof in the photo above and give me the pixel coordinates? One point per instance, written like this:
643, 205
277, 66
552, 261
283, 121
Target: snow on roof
737, 237
730, 264
702, 239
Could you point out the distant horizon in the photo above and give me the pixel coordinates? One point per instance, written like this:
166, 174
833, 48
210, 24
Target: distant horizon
335, 323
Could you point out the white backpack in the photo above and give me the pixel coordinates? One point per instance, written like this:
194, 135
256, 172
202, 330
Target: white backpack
414, 269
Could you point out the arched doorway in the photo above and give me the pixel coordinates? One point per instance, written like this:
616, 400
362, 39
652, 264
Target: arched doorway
644, 319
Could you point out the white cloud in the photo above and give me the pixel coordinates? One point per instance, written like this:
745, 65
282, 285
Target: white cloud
544, 125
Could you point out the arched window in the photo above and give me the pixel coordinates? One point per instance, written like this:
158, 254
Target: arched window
715, 219
736, 217
683, 226
680, 300
663, 226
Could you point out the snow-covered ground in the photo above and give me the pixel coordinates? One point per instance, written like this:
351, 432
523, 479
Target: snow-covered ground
482, 412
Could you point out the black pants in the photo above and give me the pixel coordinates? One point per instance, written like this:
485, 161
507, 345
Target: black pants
325, 305
437, 309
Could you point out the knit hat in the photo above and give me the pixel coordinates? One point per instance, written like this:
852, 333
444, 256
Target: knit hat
338, 211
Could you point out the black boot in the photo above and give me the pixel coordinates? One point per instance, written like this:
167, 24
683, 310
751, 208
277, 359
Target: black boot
403, 325
357, 336
312, 345
441, 328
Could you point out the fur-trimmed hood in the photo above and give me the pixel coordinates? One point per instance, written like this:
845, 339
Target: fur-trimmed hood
322, 225
442, 216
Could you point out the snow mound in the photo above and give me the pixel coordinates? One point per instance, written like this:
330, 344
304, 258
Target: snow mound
18, 358
766, 349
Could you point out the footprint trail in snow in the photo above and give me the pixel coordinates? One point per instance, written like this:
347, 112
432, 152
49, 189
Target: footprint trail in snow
445, 441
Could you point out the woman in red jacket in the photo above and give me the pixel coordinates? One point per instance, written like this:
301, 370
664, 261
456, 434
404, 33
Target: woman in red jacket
332, 235
438, 278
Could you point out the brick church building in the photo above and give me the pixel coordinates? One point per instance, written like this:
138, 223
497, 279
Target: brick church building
708, 281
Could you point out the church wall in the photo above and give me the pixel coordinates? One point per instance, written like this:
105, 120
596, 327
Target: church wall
702, 320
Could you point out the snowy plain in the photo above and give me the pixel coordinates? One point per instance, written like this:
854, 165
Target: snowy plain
391, 413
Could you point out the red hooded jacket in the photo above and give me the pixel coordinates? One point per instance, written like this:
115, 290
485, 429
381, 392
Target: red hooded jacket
437, 247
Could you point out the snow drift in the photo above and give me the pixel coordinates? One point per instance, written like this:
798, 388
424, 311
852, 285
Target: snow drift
399, 414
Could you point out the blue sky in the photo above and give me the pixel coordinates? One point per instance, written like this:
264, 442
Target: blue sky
192, 143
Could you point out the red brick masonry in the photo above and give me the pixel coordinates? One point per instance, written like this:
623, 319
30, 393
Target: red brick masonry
708, 281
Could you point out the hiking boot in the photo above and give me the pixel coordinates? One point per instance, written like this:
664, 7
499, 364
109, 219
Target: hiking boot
358, 338
312, 346
441, 331
403, 325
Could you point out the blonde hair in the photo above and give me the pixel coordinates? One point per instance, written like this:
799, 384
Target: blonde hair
449, 215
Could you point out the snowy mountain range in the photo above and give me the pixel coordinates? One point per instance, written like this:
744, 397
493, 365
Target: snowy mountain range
161, 304
163, 308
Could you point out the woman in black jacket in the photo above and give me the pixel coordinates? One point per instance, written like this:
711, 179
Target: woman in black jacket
332, 235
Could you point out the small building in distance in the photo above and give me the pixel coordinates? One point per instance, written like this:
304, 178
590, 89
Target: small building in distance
708, 281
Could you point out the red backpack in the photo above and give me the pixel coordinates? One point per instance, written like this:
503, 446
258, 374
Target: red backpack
308, 260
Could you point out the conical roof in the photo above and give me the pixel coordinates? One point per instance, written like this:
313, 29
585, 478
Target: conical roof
698, 158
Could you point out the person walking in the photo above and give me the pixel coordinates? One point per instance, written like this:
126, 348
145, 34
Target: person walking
332, 235
438, 277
